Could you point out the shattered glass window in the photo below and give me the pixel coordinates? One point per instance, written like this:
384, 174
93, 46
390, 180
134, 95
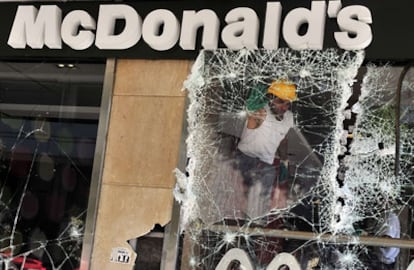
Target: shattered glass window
297, 160
48, 127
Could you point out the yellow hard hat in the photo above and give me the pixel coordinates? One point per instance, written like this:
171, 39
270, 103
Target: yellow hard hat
283, 89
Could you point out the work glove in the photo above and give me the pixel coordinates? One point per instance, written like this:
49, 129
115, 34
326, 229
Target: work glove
257, 98
283, 171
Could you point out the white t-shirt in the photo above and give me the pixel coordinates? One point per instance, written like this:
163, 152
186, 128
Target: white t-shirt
262, 142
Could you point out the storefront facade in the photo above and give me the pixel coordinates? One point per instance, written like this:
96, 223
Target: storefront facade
126, 155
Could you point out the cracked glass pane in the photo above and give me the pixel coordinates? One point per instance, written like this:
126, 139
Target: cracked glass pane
48, 126
292, 161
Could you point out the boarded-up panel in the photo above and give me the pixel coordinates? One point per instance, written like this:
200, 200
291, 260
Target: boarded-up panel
142, 151
143, 140
151, 77
124, 213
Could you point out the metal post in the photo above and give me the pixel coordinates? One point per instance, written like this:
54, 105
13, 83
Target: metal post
328, 238
98, 162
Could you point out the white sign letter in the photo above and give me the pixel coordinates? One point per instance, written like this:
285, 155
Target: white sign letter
242, 30
190, 24
284, 259
105, 36
157, 20
235, 254
272, 26
411, 266
358, 27
315, 18
78, 40
36, 29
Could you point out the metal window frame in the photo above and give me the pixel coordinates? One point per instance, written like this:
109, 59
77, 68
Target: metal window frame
98, 163
170, 249
372, 241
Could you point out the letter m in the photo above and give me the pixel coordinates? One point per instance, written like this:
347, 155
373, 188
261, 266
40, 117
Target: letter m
36, 28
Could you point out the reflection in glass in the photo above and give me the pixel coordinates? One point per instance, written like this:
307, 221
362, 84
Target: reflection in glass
48, 126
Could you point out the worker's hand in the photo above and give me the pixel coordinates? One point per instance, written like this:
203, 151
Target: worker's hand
283, 171
259, 114
256, 118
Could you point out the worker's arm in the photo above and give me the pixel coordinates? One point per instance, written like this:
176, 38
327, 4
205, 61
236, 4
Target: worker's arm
255, 119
